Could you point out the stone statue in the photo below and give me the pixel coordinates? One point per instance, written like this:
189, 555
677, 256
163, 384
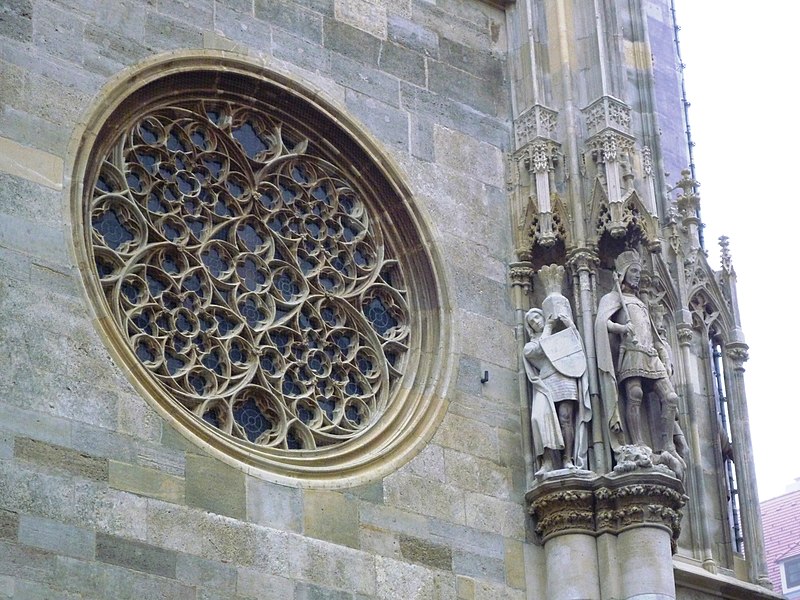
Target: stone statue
555, 363
633, 358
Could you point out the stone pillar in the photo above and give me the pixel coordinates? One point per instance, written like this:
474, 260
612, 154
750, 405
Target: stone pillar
563, 511
623, 525
642, 508
733, 368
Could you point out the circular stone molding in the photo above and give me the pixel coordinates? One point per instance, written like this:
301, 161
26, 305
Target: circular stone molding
257, 266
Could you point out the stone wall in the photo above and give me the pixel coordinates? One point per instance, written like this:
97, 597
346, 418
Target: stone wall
99, 496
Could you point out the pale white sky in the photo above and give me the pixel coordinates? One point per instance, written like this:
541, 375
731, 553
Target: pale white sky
742, 83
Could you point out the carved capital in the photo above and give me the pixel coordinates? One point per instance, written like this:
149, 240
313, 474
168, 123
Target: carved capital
563, 504
737, 353
685, 334
521, 274
585, 503
583, 259
634, 500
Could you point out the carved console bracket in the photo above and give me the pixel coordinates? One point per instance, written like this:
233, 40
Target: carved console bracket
582, 502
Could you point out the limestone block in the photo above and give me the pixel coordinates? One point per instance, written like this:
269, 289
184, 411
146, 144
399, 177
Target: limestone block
412, 35
486, 590
468, 436
34, 131
491, 514
395, 520
396, 579
476, 474
456, 116
366, 15
330, 516
215, 486
429, 464
9, 524
26, 563
515, 564
427, 553
110, 511
463, 153
274, 505
378, 541
291, 18
253, 583
165, 33
332, 566
146, 482
489, 340
421, 496
403, 63
366, 80
467, 539
480, 567
136, 555
60, 32
60, 459
197, 571
301, 52
56, 537
385, 122
16, 20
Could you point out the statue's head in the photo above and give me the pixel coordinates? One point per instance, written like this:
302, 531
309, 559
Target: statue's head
534, 321
629, 266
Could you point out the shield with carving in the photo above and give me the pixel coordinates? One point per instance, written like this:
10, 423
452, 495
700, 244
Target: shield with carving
565, 351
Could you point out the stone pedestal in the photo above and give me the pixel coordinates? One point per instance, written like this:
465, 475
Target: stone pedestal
623, 525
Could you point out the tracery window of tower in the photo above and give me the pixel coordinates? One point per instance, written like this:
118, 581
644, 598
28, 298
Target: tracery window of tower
248, 274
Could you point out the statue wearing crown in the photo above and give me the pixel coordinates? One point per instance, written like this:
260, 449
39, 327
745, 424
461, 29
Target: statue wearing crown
555, 363
632, 362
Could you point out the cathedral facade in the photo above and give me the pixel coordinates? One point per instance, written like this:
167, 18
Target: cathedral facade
348, 299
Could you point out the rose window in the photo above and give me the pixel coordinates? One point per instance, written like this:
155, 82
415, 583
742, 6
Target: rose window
248, 275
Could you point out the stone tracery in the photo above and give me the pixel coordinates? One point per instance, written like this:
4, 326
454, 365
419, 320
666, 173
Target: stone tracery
248, 275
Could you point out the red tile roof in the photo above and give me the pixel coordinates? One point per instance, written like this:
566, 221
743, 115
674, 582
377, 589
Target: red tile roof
781, 519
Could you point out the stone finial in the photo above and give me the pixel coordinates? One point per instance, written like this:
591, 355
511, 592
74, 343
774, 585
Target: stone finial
688, 199
725, 254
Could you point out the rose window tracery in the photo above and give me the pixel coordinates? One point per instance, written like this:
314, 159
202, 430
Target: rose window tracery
248, 275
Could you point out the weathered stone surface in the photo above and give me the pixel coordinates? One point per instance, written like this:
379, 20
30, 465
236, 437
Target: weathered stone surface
424, 552
135, 555
290, 17
146, 482
384, 121
254, 584
274, 505
365, 15
469, 436
366, 80
344, 39
419, 495
215, 486
60, 459
412, 582
476, 474
203, 573
16, 20
330, 516
9, 523
56, 537
478, 566
413, 36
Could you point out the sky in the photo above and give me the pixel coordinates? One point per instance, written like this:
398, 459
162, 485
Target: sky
742, 82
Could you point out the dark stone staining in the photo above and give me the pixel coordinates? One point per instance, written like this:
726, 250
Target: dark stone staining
424, 552
16, 20
9, 525
135, 555
61, 459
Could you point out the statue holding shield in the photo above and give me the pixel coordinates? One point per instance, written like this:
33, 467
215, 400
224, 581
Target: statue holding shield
555, 362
